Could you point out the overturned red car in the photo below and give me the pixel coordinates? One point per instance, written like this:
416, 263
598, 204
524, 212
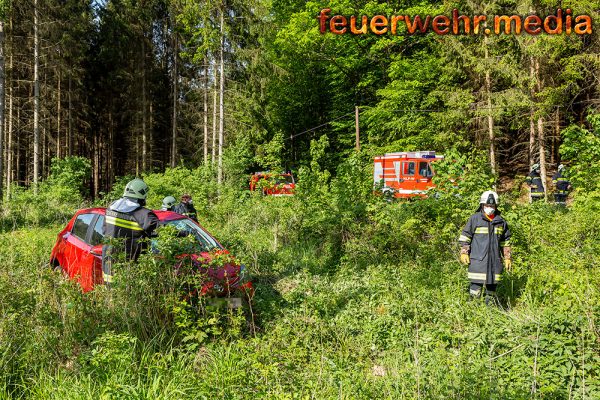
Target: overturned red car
78, 253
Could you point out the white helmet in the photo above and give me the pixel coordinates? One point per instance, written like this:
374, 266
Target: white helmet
489, 197
561, 167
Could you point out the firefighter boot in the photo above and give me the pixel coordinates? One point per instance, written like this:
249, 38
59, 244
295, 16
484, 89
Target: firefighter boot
475, 291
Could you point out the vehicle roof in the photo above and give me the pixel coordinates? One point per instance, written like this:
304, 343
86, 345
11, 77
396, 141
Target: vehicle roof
162, 215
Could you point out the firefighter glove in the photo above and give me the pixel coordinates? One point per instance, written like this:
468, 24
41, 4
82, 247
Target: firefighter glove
465, 259
508, 264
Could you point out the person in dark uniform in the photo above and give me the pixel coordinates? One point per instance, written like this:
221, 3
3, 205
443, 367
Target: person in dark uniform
535, 183
186, 207
562, 185
128, 220
485, 247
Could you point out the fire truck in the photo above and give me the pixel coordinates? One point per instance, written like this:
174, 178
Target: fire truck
273, 184
405, 174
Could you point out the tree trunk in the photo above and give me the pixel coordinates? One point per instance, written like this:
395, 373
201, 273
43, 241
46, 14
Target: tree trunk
542, 151
174, 132
96, 164
36, 98
70, 127
205, 110
2, 125
490, 117
541, 134
531, 120
58, 117
144, 133
214, 120
221, 95
9, 142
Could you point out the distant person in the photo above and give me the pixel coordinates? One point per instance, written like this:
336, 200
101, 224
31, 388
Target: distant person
485, 247
129, 220
168, 203
186, 207
535, 183
562, 186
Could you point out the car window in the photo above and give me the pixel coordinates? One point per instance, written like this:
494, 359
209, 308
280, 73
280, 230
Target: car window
408, 168
424, 169
98, 231
81, 225
187, 227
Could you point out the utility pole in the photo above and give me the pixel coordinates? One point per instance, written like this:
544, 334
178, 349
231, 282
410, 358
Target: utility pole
357, 128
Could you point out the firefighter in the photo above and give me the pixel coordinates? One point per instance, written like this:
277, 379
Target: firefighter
535, 183
562, 185
186, 207
485, 247
128, 220
168, 203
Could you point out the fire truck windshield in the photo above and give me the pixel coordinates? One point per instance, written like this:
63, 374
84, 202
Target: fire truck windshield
284, 179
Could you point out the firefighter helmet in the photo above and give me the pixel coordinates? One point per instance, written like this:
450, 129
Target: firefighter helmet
136, 189
169, 202
535, 167
489, 197
561, 167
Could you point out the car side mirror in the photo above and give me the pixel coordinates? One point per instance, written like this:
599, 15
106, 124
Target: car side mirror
96, 250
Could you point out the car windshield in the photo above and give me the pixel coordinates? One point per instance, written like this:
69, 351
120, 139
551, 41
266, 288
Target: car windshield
186, 228
284, 179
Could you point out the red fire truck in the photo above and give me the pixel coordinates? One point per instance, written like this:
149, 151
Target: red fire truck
406, 173
273, 184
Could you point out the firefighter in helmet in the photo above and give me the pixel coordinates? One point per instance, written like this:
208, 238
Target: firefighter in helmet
129, 221
186, 207
562, 185
168, 203
485, 247
535, 183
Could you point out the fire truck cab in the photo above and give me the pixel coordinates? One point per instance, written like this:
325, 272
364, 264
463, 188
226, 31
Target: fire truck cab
273, 184
405, 174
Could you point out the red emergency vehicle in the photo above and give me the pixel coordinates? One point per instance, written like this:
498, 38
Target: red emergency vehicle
406, 173
273, 184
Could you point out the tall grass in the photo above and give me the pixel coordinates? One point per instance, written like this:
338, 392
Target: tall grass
355, 298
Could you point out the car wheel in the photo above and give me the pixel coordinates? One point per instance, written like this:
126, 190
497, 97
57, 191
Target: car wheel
58, 268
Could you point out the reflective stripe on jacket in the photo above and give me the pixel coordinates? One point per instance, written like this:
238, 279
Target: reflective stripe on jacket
132, 227
485, 240
561, 183
535, 183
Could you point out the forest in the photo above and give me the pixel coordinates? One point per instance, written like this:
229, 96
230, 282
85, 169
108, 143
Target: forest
355, 296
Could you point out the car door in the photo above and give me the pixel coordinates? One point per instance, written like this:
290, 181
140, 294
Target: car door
79, 258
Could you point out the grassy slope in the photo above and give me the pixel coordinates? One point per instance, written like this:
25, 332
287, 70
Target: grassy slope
383, 313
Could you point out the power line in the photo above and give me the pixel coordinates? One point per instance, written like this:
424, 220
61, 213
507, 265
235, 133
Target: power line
416, 110
319, 126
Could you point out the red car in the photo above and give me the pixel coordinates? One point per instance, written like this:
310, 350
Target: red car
273, 184
78, 252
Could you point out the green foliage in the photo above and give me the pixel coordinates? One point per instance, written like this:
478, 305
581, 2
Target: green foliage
581, 148
352, 292
57, 198
71, 173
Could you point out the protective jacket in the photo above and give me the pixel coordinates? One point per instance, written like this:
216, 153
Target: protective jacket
125, 219
485, 241
186, 209
535, 183
561, 183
